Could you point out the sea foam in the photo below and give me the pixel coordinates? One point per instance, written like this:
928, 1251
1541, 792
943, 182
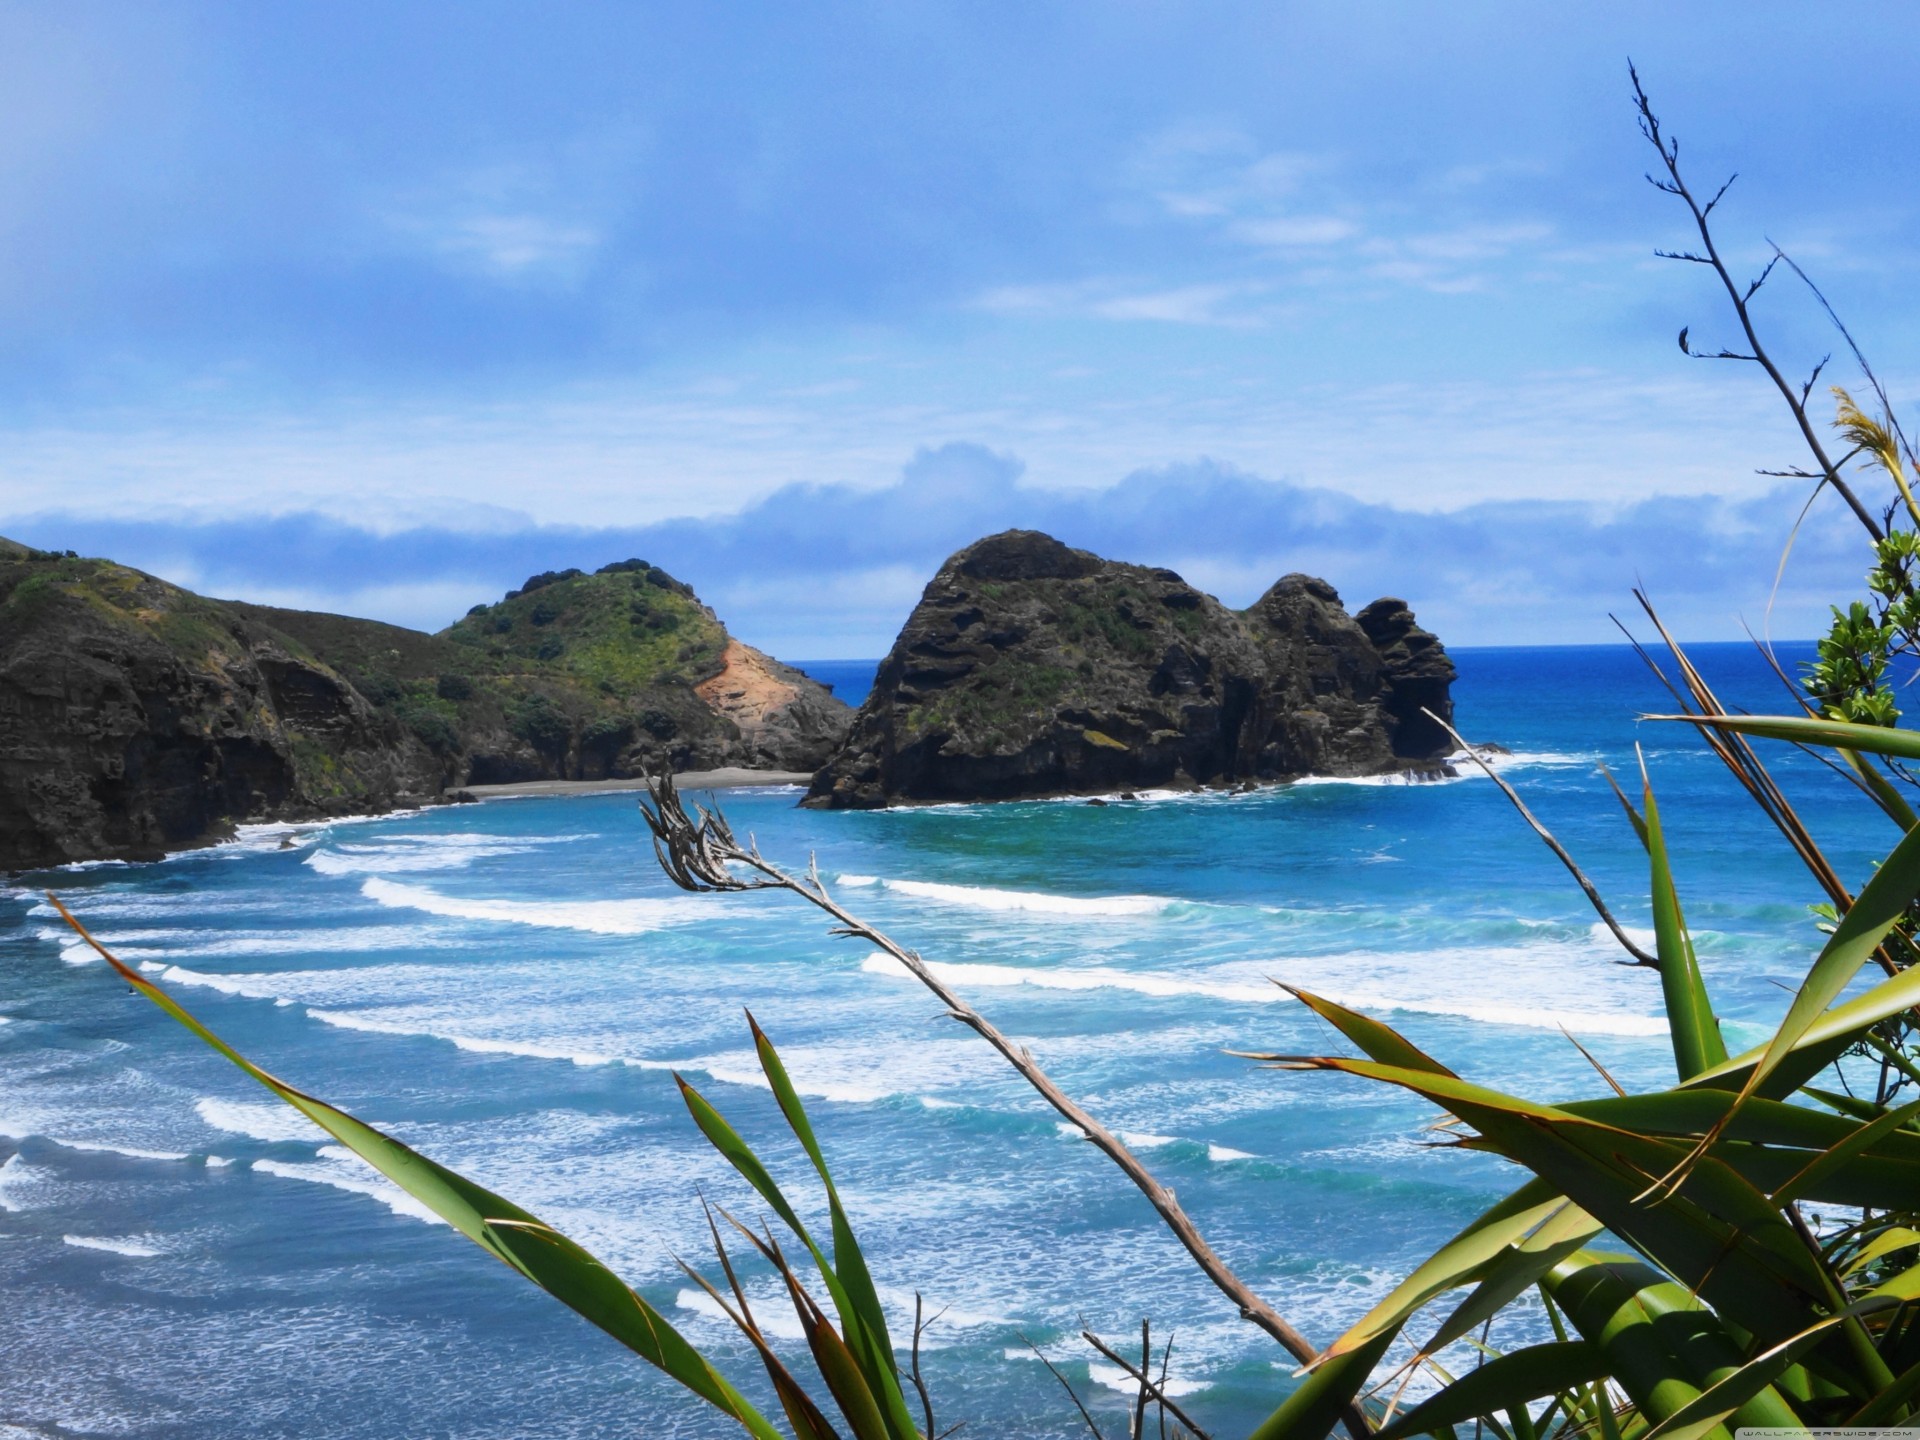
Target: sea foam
263, 1120
131, 1248
597, 917
343, 1170
983, 897
1464, 1004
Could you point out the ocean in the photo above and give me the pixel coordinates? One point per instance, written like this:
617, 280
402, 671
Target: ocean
508, 987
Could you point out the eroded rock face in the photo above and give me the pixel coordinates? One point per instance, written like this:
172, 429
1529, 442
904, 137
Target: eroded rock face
781, 718
130, 729
1029, 668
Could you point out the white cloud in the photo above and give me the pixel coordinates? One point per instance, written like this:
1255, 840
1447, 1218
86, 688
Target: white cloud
512, 244
1294, 231
1184, 305
1233, 305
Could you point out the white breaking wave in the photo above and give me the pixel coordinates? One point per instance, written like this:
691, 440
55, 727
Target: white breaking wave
1265, 993
773, 1313
257, 1119
729, 1069
598, 917
131, 1152
811, 1088
982, 897
132, 1249
1644, 938
344, 1170
479, 1045
357, 938
15, 1172
1464, 767
1220, 1154
1114, 1378
250, 987
413, 853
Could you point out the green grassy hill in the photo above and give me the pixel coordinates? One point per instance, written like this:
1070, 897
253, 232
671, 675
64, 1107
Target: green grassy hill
136, 716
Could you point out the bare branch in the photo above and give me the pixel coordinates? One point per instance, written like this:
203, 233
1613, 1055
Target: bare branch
1071, 1395
1761, 278
702, 855
1859, 358
1807, 389
1150, 1389
1640, 956
919, 1328
1675, 184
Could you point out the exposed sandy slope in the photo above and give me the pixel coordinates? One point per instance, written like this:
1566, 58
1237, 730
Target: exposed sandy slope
747, 691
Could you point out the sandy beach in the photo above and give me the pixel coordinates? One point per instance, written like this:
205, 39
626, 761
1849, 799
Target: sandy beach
731, 778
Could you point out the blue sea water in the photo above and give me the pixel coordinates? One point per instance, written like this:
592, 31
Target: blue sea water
508, 986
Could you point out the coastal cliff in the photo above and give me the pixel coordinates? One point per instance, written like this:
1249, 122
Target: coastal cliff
137, 717
1029, 668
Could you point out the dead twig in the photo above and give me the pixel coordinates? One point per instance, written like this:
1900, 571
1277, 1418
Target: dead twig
1640, 956
1151, 1390
703, 855
1072, 1394
919, 1328
1674, 184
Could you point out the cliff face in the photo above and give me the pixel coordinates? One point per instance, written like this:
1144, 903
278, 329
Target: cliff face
137, 717
1029, 668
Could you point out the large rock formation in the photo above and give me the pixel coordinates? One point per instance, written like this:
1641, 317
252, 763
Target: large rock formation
1029, 668
137, 717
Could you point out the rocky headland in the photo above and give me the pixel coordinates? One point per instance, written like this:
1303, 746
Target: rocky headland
1029, 668
137, 717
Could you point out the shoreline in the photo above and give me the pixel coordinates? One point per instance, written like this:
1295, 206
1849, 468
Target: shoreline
732, 777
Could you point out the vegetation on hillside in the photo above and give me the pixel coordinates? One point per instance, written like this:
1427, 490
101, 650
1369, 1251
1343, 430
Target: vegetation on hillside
573, 666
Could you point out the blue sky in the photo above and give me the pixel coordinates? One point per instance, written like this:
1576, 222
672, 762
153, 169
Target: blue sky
380, 308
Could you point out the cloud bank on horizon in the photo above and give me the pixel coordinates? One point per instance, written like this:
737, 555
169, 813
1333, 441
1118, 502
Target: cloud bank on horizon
820, 572
380, 310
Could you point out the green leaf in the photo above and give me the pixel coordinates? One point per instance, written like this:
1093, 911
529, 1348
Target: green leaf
1461, 1261
1660, 1344
1881, 904
514, 1236
1821, 1042
1517, 1271
1748, 1382
1884, 795
1718, 1232
837, 1365
1633, 816
1806, 730
1377, 1041
1506, 1382
1894, 1237
1844, 1151
1696, 1035
866, 1329
1311, 1411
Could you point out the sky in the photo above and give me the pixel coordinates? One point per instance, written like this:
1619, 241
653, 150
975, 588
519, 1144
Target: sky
380, 309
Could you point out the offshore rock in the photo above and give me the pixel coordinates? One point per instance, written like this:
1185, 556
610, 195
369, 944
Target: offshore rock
1029, 668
